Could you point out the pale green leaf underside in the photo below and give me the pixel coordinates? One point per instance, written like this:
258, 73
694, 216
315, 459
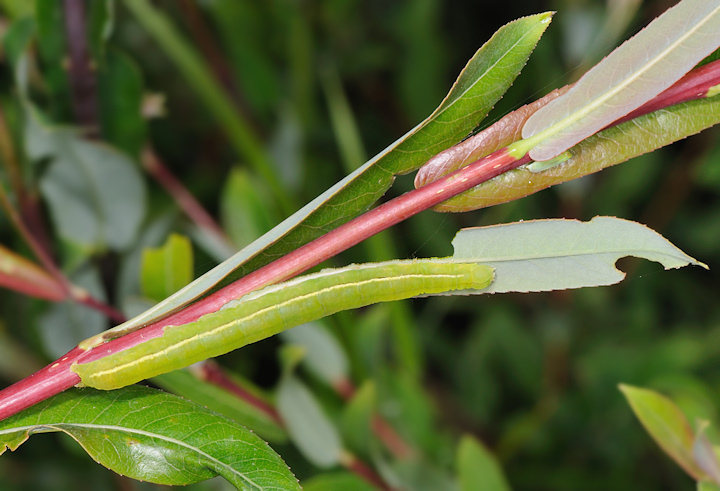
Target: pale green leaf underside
312, 432
482, 83
95, 194
543, 255
631, 75
325, 355
153, 436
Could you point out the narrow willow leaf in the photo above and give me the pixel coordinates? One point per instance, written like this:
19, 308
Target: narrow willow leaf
543, 255
607, 148
95, 194
666, 424
478, 468
357, 419
484, 80
166, 269
273, 309
332, 481
309, 427
704, 454
637, 71
152, 436
325, 357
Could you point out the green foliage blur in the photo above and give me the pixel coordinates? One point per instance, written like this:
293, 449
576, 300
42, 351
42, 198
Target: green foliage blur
318, 87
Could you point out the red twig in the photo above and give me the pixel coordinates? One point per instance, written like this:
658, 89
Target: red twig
81, 74
212, 373
58, 376
184, 199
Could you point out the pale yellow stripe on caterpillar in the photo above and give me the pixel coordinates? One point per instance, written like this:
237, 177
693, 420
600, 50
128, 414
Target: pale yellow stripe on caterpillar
275, 308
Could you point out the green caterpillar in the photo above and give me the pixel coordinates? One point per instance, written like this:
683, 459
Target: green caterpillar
273, 309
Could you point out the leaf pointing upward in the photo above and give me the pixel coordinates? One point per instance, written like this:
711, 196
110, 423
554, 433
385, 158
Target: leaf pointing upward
631, 75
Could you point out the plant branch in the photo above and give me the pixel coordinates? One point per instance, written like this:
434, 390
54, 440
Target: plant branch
83, 84
58, 376
212, 373
184, 199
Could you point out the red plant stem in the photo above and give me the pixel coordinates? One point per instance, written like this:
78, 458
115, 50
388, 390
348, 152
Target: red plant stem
81, 75
328, 245
694, 85
57, 377
361, 469
109, 311
184, 199
212, 373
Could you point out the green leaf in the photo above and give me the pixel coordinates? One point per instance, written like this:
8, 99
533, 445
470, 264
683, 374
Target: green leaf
325, 357
168, 268
483, 81
631, 75
704, 454
101, 20
478, 469
15, 43
309, 428
96, 195
245, 207
543, 255
153, 436
666, 424
357, 417
337, 481
52, 45
120, 91
185, 384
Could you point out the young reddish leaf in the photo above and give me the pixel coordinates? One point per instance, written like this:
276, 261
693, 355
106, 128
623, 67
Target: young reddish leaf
495, 137
24, 276
704, 454
607, 148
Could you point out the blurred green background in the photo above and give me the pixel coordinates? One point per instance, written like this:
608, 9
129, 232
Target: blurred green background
322, 86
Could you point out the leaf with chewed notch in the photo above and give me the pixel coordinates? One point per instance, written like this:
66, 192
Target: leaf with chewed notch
544, 255
152, 436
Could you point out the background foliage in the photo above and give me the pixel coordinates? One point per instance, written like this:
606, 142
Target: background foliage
313, 89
